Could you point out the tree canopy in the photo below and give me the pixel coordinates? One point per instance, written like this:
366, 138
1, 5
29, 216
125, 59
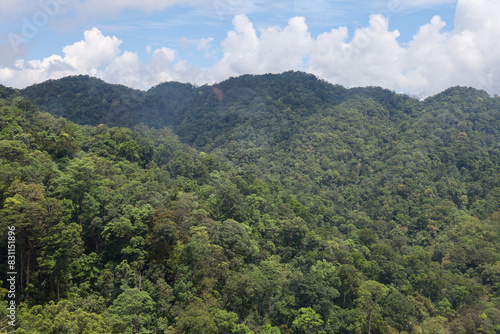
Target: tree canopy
262, 204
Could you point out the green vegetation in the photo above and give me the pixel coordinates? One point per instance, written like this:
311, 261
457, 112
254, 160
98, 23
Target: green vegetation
264, 204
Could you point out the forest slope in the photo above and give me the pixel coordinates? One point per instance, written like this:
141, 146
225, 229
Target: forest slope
264, 204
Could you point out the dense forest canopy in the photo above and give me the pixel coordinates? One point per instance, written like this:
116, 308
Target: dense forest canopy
276, 203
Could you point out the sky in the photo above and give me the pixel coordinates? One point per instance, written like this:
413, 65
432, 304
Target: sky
417, 47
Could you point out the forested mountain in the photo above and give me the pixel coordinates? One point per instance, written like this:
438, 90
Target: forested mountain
262, 204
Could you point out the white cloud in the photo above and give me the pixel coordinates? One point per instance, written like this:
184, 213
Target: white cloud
372, 57
433, 60
477, 15
94, 51
202, 44
125, 70
466, 56
160, 67
275, 50
88, 56
25, 73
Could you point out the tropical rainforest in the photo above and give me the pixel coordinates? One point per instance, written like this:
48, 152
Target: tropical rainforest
275, 203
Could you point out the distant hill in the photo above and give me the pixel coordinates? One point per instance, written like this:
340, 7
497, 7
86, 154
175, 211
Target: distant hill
315, 130
7, 93
87, 100
273, 203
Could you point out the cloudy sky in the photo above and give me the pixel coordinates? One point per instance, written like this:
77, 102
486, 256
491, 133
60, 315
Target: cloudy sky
419, 47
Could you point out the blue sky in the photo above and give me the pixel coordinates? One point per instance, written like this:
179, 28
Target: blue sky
415, 46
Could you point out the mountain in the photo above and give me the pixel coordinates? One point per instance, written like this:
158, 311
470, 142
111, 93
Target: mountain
87, 100
359, 135
7, 93
273, 203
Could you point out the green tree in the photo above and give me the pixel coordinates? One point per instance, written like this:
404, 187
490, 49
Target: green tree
28, 108
399, 311
77, 182
233, 238
308, 321
350, 280
226, 322
196, 318
318, 288
131, 312
62, 245
369, 294
434, 326
63, 317
32, 214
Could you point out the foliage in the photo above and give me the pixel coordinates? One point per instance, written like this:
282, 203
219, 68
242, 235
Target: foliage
263, 204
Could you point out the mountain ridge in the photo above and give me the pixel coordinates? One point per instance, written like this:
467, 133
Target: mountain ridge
254, 203
91, 101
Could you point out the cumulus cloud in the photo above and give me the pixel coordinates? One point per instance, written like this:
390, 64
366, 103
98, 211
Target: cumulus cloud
88, 56
100, 56
372, 57
275, 50
125, 70
160, 67
92, 52
432, 61
466, 56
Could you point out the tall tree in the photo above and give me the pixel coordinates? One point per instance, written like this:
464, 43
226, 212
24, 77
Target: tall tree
369, 294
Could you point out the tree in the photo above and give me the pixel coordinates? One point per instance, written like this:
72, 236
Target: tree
28, 108
233, 238
63, 317
77, 182
131, 311
399, 311
13, 150
205, 260
308, 321
197, 318
318, 288
350, 280
226, 322
62, 245
369, 294
434, 325
164, 236
32, 214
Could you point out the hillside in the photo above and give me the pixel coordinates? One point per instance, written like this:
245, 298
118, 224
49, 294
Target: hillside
263, 204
